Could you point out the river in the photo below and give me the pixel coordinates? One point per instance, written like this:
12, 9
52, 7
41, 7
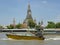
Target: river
49, 40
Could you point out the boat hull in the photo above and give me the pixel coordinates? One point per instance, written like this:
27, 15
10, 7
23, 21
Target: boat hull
18, 37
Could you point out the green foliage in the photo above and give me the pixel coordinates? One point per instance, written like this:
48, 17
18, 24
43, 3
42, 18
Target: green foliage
10, 26
58, 25
1, 27
51, 25
31, 23
18, 26
37, 27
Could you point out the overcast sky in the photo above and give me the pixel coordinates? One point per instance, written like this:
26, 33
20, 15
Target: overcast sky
46, 10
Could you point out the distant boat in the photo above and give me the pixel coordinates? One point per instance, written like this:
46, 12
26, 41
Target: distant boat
23, 37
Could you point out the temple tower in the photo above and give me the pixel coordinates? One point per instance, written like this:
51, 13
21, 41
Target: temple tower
29, 14
14, 22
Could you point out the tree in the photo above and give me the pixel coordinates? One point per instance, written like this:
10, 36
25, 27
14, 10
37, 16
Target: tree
58, 25
31, 23
1, 27
51, 25
10, 26
37, 27
18, 26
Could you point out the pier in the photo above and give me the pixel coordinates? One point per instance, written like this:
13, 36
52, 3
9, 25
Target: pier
51, 31
46, 31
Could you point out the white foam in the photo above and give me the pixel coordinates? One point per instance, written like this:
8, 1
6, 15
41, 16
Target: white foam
10, 39
4, 39
53, 39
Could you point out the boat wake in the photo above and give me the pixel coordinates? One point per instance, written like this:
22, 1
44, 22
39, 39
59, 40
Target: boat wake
53, 39
6, 39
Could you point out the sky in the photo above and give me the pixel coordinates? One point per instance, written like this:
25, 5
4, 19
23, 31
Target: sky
46, 10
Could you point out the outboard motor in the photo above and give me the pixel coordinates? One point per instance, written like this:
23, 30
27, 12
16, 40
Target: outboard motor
39, 33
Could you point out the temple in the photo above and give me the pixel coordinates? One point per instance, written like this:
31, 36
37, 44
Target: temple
29, 14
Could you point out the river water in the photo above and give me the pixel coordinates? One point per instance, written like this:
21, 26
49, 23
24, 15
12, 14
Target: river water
49, 40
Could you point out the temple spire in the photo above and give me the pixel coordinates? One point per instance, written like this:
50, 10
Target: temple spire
29, 13
14, 22
29, 5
